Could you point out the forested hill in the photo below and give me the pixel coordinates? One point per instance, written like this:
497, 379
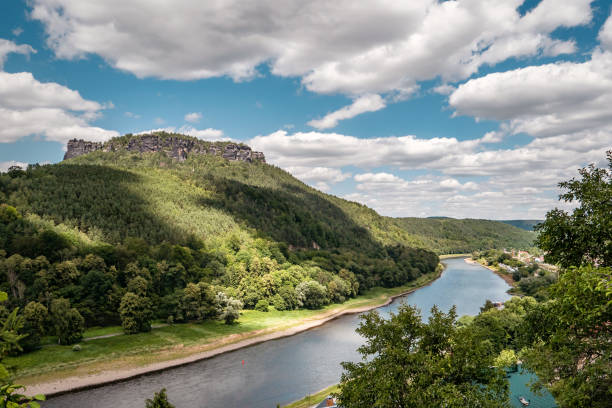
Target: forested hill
453, 236
124, 227
528, 225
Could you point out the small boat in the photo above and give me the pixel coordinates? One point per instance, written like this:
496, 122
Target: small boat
523, 401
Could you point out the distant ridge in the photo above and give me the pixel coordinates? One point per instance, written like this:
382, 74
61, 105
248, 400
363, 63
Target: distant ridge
523, 224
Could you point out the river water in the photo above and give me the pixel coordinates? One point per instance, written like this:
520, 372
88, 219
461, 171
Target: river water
283, 370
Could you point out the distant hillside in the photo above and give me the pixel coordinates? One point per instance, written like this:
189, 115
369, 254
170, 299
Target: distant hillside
449, 235
523, 224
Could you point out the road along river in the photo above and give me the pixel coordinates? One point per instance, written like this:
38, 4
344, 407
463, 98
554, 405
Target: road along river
283, 370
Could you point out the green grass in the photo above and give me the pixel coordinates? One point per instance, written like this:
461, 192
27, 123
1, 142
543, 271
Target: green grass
310, 400
62, 361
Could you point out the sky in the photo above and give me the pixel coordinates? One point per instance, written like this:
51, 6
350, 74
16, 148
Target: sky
467, 108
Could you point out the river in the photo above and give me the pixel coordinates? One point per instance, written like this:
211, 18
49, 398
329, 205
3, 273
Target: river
283, 370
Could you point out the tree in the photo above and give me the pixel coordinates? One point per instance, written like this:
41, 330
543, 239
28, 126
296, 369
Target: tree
68, 323
311, 294
408, 363
136, 313
35, 316
570, 339
228, 308
160, 400
585, 235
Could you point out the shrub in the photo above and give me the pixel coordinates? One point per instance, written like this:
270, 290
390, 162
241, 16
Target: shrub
311, 294
262, 305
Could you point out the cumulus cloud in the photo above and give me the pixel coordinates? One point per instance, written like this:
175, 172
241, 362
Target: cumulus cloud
342, 46
544, 100
318, 149
472, 181
29, 107
7, 47
193, 117
321, 178
365, 103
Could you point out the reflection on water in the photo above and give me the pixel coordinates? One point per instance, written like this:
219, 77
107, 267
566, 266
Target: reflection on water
283, 370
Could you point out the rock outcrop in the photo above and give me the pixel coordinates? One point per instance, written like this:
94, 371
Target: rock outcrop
176, 146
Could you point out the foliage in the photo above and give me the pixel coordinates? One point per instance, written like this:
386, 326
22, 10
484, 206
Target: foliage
68, 323
160, 400
409, 363
570, 339
506, 359
311, 294
228, 308
35, 316
262, 306
585, 235
10, 398
136, 313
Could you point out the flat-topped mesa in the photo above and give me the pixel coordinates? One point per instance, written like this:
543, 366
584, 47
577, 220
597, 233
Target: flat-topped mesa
174, 145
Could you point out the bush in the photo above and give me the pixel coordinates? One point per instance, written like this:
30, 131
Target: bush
68, 323
136, 314
311, 294
262, 305
160, 400
278, 303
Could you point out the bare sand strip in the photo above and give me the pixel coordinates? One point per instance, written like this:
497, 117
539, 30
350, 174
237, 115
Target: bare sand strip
72, 384
507, 278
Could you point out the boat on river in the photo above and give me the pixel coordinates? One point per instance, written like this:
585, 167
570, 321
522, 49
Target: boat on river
524, 401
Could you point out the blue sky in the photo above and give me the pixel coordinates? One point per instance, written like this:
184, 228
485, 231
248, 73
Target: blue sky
466, 109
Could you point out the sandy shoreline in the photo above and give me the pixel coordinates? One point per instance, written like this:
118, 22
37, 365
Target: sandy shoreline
507, 278
72, 384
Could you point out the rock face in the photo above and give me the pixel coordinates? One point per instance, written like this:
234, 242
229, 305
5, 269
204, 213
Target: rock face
175, 146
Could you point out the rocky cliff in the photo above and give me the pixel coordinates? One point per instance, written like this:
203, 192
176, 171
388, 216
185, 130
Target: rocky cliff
174, 145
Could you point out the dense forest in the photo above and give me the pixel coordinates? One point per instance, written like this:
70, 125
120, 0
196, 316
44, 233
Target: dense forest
123, 237
452, 236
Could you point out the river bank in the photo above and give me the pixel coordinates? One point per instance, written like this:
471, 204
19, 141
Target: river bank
94, 374
507, 278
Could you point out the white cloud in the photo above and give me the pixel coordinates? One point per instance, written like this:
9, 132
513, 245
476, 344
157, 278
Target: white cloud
22, 91
514, 182
7, 47
605, 35
543, 100
17, 31
159, 121
4, 166
29, 107
365, 103
320, 177
320, 149
342, 46
132, 115
193, 117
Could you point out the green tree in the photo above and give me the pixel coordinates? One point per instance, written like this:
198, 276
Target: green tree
68, 323
35, 316
160, 400
408, 363
311, 294
570, 339
228, 308
585, 235
136, 313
